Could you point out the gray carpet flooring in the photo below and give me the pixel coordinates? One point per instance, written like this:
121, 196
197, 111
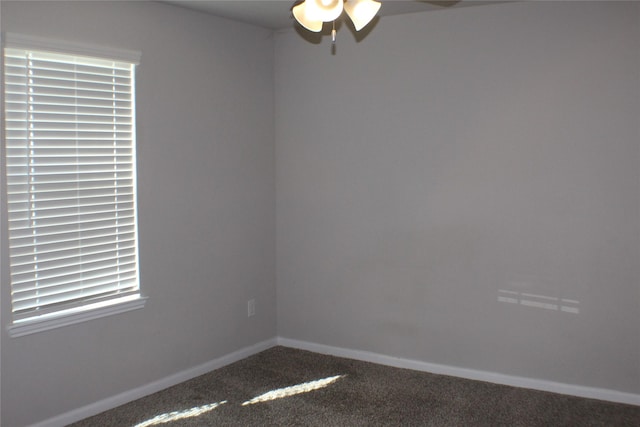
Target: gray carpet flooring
288, 387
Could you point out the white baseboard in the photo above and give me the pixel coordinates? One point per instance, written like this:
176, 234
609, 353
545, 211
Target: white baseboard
492, 377
145, 390
128, 396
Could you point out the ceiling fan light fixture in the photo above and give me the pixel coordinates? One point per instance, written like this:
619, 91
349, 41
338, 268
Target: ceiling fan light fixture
311, 14
324, 10
361, 12
301, 13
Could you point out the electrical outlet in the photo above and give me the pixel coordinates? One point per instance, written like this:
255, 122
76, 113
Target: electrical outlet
251, 307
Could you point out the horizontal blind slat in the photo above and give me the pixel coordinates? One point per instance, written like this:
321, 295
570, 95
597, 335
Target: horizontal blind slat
70, 306
100, 229
105, 252
27, 256
102, 288
69, 239
55, 277
24, 311
18, 218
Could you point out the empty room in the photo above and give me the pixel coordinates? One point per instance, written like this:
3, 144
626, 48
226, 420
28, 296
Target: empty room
453, 190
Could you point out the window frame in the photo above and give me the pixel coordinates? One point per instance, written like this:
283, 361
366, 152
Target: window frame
65, 316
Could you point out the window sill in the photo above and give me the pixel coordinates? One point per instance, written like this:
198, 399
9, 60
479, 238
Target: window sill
32, 326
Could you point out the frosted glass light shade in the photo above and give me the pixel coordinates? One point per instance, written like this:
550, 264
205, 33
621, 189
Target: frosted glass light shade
324, 10
361, 12
301, 13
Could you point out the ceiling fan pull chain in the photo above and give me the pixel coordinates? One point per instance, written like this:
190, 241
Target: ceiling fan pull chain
333, 33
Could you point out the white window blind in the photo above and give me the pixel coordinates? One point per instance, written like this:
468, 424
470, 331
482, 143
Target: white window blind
71, 182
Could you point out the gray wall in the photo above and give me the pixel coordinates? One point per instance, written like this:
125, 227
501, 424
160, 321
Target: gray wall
206, 207
452, 156
447, 160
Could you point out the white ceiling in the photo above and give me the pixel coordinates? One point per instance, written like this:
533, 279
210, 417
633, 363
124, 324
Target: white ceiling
276, 14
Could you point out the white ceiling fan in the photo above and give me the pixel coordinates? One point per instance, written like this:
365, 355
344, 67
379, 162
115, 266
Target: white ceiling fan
276, 14
312, 14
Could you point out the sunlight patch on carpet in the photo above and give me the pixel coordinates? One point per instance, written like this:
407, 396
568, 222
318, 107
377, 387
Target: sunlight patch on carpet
179, 415
293, 390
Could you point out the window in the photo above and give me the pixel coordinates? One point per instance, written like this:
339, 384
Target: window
71, 184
